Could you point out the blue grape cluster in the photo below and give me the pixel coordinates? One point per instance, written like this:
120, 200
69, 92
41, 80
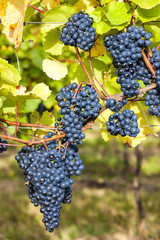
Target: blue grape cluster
125, 49
77, 109
124, 124
153, 101
3, 148
48, 177
79, 31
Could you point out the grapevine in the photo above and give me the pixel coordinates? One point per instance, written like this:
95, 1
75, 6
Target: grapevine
48, 162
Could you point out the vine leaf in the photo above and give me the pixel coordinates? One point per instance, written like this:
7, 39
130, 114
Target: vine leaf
49, 3
146, 15
147, 4
47, 119
87, 5
8, 73
54, 69
40, 91
52, 43
57, 17
12, 16
118, 13
155, 30
143, 123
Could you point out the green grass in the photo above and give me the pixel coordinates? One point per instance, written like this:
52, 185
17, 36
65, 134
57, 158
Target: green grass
103, 204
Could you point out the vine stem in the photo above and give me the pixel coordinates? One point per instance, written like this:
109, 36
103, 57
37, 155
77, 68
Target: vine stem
91, 82
4, 130
149, 65
10, 123
33, 142
16, 120
91, 67
35, 8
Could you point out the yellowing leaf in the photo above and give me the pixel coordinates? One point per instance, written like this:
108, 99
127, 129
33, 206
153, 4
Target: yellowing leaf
12, 14
87, 5
40, 91
49, 3
54, 69
103, 118
98, 49
8, 73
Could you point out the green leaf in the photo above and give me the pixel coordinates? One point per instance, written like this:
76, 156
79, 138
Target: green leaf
30, 11
54, 69
146, 15
52, 43
57, 17
155, 30
96, 15
147, 4
98, 67
47, 119
102, 27
118, 12
8, 73
31, 105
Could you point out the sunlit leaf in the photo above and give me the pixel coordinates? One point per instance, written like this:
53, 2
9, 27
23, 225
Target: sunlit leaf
9, 73
146, 3
12, 14
54, 69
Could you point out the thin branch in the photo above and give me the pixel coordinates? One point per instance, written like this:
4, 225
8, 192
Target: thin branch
87, 74
29, 143
149, 65
16, 120
91, 67
26, 124
4, 130
35, 8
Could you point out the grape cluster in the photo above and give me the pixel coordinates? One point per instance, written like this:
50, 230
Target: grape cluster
79, 31
124, 123
153, 101
125, 49
48, 177
3, 147
77, 108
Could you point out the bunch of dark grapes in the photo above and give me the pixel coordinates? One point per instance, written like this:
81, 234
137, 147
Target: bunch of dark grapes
125, 49
153, 101
79, 31
3, 148
48, 177
124, 123
77, 109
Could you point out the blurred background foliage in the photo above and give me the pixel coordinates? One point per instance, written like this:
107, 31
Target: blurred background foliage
103, 205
